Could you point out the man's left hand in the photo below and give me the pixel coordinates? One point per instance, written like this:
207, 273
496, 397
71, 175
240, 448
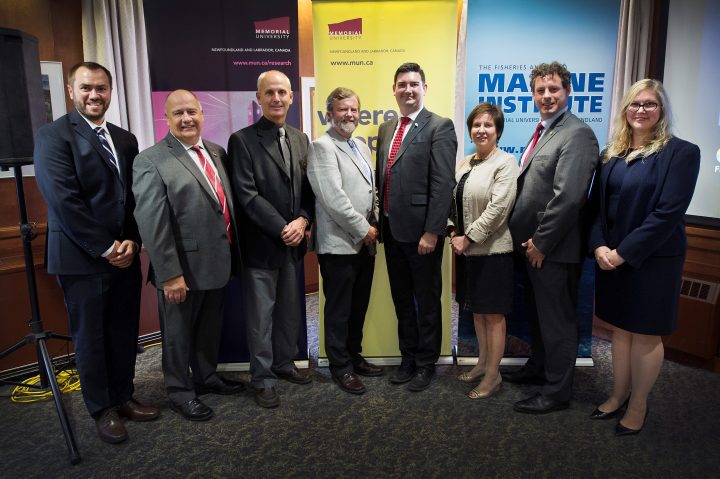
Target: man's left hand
294, 231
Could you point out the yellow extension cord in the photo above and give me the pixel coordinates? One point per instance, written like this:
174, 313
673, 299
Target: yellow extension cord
67, 381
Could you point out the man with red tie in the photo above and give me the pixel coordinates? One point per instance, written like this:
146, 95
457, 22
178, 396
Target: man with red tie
185, 216
547, 226
415, 179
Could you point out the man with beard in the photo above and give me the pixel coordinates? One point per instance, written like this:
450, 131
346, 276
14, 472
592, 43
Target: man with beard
345, 231
83, 167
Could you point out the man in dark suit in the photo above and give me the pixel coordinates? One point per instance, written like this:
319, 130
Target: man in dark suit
185, 215
345, 232
83, 167
548, 230
415, 178
275, 205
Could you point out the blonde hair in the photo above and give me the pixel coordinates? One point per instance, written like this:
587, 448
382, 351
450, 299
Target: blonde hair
621, 139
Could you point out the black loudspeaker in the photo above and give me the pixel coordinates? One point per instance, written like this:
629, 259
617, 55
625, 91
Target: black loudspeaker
22, 99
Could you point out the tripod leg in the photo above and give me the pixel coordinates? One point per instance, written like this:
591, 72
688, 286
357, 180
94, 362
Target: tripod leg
62, 415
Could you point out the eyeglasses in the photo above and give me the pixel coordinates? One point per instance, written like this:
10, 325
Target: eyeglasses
647, 106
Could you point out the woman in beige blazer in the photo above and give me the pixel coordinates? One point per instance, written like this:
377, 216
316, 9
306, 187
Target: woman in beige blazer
480, 237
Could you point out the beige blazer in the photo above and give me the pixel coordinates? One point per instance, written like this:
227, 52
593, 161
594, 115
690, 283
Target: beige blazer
488, 199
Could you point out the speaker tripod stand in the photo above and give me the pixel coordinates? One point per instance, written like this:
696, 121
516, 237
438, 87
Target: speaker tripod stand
38, 335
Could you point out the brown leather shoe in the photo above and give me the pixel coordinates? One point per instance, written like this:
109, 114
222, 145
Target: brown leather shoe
135, 411
110, 428
350, 383
293, 376
364, 368
267, 397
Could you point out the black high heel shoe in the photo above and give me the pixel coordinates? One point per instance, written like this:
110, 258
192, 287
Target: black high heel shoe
598, 414
621, 430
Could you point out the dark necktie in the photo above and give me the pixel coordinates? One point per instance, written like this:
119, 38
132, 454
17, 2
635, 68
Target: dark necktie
535, 138
284, 148
100, 132
397, 141
217, 186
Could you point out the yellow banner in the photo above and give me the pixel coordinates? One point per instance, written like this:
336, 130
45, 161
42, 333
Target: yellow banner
359, 45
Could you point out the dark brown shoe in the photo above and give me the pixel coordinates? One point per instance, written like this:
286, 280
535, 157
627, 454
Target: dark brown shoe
350, 383
226, 387
267, 397
110, 428
364, 368
135, 411
294, 376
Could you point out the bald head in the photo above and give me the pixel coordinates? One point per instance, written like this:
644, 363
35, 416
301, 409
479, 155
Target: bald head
275, 95
184, 116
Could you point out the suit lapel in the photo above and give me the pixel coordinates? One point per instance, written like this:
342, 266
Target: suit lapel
344, 146
552, 131
269, 143
414, 128
82, 128
185, 160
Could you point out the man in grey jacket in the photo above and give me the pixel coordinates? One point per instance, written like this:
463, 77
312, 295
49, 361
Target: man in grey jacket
185, 216
345, 231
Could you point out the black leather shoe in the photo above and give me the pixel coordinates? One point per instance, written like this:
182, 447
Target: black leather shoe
523, 376
267, 397
421, 380
194, 410
598, 414
539, 404
294, 376
135, 411
110, 428
364, 368
403, 374
621, 430
350, 383
226, 387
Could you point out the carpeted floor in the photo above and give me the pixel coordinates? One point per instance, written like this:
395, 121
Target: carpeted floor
320, 431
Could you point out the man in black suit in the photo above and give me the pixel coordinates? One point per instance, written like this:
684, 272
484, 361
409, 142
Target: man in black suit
548, 230
185, 215
415, 178
83, 167
275, 206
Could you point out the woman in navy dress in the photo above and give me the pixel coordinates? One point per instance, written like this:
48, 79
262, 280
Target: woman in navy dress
646, 181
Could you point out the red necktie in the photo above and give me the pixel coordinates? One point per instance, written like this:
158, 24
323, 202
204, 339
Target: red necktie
397, 141
534, 141
217, 186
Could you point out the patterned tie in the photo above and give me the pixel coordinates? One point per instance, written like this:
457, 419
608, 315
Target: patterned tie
397, 141
100, 132
217, 186
367, 171
535, 138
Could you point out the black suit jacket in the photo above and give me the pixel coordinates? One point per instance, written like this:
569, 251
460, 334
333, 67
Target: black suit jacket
422, 176
90, 203
267, 198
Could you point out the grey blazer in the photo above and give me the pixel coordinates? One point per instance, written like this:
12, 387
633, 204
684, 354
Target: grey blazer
179, 219
552, 191
345, 198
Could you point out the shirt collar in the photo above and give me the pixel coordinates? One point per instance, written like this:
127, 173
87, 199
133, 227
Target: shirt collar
548, 123
102, 125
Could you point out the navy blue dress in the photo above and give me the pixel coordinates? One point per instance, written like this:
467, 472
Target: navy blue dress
642, 206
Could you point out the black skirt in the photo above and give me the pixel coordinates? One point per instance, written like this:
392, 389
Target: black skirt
484, 284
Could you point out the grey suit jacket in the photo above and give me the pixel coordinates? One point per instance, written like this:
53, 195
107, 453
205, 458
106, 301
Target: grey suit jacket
552, 191
422, 177
345, 198
180, 220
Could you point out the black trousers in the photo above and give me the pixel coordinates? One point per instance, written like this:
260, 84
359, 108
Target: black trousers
347, 280
104, 313
554, 331
416, 287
